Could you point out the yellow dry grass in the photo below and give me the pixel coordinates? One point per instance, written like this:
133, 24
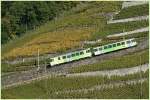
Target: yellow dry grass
52, 42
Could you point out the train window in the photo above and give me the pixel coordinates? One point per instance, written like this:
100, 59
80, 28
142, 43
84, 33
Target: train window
133, 40
100, 49
109, 46
95, 50
105, 47
73, 55
122, 43
68, 56
64, 57
81, 53
114, 45
58, 58
118, 44
77, 54
128, 42
87, 51
51, 60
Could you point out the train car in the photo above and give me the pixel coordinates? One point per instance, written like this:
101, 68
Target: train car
89, 52
114, 46
72, 56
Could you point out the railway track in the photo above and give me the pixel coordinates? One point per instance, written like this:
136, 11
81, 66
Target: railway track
109, 73
23, 76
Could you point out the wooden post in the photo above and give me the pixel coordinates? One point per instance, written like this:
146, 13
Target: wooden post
38, 61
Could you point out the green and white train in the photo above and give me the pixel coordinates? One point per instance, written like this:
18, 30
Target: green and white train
89, 52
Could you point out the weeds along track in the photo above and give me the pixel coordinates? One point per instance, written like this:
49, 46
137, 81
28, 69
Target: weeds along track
21, 77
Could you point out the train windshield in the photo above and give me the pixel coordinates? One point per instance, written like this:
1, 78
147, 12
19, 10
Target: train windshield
51, 60
128, 42
133, 40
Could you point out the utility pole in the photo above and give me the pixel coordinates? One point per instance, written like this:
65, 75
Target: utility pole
123, 36
8, 63
46, 87
45, 71
38, 61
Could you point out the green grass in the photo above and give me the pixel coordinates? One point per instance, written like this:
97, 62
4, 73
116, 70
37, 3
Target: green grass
119, 27
94, 8
133, 11
21, 66
17, 67
125, 92
119, 62
39, 89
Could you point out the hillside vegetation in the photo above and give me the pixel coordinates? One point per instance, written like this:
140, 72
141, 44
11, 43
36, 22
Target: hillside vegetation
119, 28
52, 42
84, 17
133, 11
18, 17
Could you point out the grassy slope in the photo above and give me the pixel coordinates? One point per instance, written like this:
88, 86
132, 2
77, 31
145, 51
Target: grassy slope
72, 19
46, 44
120, 62
125, 92
81, 16
119, 27
53, 42
39, 89
133, 11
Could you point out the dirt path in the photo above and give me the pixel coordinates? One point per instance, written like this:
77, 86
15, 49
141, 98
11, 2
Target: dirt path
21, 77
139, 18
133, 3
104, 86
145, 29
116, 72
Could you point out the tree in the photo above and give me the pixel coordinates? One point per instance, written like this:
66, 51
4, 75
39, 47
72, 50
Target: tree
18, 17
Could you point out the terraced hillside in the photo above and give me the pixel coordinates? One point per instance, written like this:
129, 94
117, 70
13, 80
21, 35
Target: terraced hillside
118, 75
